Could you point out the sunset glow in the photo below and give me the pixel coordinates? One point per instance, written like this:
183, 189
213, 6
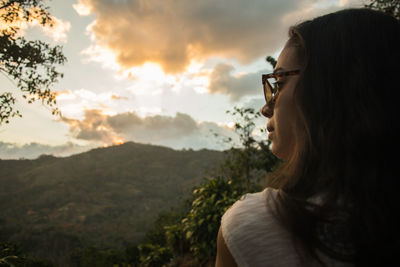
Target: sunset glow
159, 72
149, 72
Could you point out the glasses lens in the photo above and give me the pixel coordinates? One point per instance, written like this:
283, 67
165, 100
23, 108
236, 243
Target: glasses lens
268, 90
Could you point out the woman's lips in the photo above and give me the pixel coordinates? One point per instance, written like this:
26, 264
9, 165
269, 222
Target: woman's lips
270, 135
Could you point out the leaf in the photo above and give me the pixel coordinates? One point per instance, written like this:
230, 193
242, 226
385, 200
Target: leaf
31, 65
189, 234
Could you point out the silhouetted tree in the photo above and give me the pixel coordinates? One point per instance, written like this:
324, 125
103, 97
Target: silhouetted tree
271, 61
391, 7
243, 164
30, 65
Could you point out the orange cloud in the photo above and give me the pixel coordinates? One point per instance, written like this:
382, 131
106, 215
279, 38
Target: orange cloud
57, 31
171, 33
180, 130
97, 126
93, 127
118, 97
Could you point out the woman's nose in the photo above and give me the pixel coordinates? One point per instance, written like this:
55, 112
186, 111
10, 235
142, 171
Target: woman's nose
268, 110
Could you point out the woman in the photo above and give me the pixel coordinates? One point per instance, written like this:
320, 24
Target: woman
333, 118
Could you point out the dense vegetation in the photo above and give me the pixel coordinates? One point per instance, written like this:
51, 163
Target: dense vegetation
188, 238
107, 197
97, 208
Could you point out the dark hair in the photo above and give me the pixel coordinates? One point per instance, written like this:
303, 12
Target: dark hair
347, 101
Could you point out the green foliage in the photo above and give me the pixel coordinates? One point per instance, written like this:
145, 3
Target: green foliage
132, 254
196, 232
176, 238
157, 235
154, 255
11, 255
239, 174
391, 7
98, 195
248, 164
106, 197
30, 65
201, 224
91, 256
271, 61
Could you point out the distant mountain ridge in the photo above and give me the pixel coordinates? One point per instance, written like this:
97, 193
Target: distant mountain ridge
105, 197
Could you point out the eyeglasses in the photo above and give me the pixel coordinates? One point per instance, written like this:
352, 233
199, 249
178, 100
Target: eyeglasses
271, 91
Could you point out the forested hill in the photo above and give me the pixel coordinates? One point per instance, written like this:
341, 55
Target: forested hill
106, 197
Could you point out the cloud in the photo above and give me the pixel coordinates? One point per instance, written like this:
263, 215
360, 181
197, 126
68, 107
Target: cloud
88, 95
130, 34
59, 31
93, 127
176, 131
171, 33
180, 131
152, 128
255, 103
118, 97
73, 102
83, 7
222, 81
34, 150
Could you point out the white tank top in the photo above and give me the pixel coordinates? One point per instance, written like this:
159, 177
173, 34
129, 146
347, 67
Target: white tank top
255, 237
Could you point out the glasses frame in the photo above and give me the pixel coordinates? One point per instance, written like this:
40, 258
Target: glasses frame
269, 91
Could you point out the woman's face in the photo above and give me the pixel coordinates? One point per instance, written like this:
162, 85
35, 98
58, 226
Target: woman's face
282, 115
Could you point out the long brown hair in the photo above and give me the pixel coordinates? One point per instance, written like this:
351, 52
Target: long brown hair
348, 139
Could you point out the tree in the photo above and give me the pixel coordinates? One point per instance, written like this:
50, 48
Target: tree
253, 159
30, 65
271, 60
391, 7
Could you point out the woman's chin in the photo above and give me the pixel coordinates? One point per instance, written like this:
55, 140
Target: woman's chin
278, 152
273, 149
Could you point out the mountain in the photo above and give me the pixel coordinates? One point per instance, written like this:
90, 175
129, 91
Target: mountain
106, 197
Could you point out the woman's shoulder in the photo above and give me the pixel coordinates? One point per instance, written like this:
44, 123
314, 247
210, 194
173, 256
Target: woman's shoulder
251, 209
252, 206
253, 234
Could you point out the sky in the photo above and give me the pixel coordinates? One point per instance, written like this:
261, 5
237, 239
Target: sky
160, 72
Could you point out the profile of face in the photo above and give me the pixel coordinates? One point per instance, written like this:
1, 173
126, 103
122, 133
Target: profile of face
282, 113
